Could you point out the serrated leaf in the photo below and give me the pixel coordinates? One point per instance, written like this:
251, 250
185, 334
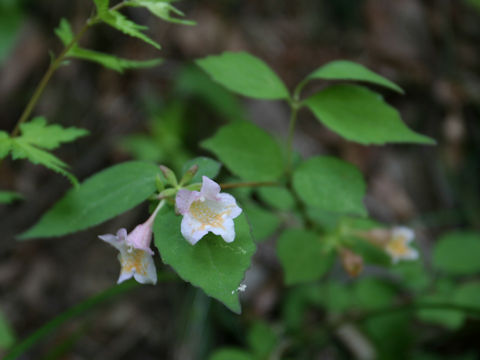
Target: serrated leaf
303, 256
277, 197
206, 167
330, 184
64, 32
7, 197
102, 6
23, 150
38, 133
263, 222
5, 144
103, 196
457, 253
360, 115
244, 74
212, 264
231, 354
247, 151
162, 9
118, 21
111, 61
348, 70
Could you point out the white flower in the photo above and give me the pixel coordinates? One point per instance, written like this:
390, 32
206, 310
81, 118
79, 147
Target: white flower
135, 262
398, 245
207, 210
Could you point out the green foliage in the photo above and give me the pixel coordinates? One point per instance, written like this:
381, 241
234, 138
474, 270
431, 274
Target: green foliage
206, 167
468, 294
247, 151
194, 83
162, 9
11, 19
7, 197
102, 6
362, 116
448, 318
104, 195
302, 255
36, 137
330, 184
64, 32
348, 70
262, 222
231, 354
118, 21
262, 340
213, 265
457, 253
474, 3
7, 337
371, 293
244, 74
164, 141
277, 197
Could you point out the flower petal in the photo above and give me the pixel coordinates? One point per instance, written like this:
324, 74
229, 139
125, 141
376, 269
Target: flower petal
192, 229
210, 189
184, 199
403, 232
227, 231
228, 202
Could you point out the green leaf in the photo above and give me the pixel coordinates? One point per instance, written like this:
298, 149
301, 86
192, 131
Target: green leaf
64, 32
457, 253
330, 184
38, 133
262, 340
162, 9
362, 116
7, 197
448, 318
7, 338
348, 70
277, 197
247, 151
231, 354
113, 62
371, 293
263, 222
120, 22
5, 144
468, 295
102, 6
212, 264
24, 150
338, 297
103, 196
302, 255
370, 253
244, 74
206, 167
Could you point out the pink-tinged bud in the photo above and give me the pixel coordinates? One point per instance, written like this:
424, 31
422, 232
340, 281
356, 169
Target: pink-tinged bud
141, 237
351, 262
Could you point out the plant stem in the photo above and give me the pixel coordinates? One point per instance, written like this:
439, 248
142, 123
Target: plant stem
248, 184
291, 130
45, 79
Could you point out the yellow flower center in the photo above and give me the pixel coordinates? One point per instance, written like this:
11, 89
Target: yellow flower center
398, 246
135, 260
205, 213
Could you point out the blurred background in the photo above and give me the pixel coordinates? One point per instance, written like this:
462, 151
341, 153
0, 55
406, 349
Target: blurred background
430, 48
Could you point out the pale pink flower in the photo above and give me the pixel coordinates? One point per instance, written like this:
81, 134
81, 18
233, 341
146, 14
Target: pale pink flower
141, 237
207, 210
137, 263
